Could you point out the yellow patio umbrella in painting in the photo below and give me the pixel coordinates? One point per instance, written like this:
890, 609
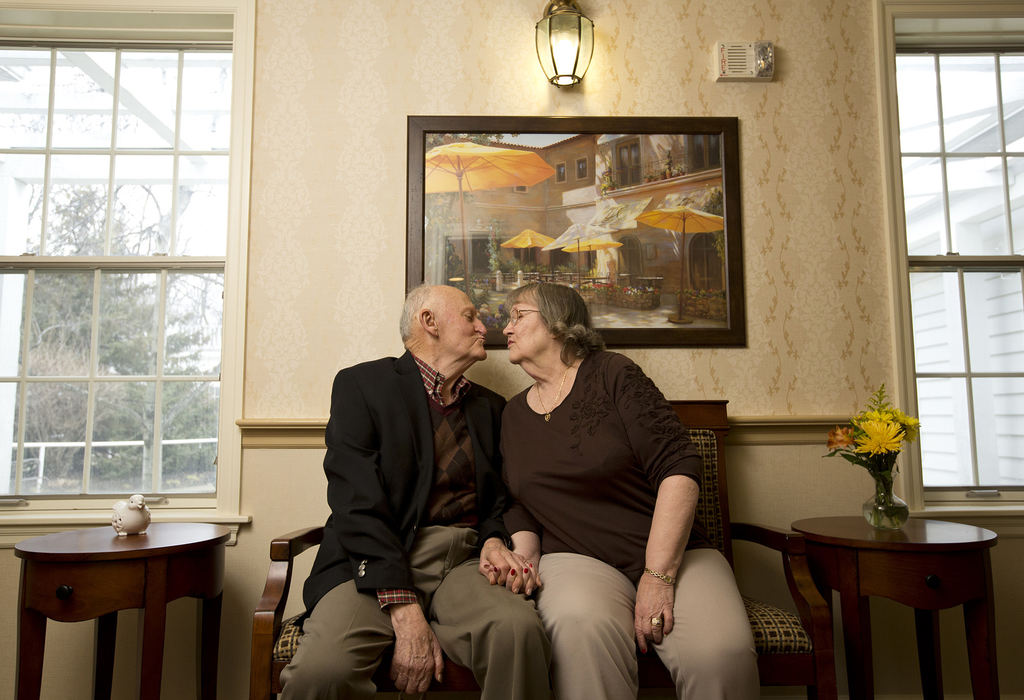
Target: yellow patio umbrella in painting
602, 242
466, 167
580, 238
527, 238
599, 243
684, 220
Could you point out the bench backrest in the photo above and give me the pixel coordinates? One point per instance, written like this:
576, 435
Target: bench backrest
708, 424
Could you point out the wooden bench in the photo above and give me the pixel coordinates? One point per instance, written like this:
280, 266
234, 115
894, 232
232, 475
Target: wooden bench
793, 649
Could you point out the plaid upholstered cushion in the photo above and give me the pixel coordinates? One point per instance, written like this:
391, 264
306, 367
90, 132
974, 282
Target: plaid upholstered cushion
288, 642
709, 513
776, 631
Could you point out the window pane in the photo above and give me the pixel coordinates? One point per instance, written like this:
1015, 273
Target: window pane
142, 205
1011, 77
945, 441
83, 99
21, 192
995, 321
938, 338
206, 101
77, 209
8, 437
189, 427
202, 205
149, 91
1015, 170
977, 212
195, 310
54, 437
12, 295
923, 206
999, 416
88, 330
61, 324
918, 104
969, 113
24, 93
129, 323
122, 437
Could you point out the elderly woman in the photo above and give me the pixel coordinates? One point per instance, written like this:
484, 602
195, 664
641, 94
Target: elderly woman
604, 483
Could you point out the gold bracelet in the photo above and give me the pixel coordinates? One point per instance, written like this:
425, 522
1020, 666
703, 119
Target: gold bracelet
657, 574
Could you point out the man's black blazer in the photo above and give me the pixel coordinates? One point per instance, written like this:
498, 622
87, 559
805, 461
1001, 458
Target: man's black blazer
380, 466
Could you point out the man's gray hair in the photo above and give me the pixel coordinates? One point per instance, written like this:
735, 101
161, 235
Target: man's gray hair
415, 300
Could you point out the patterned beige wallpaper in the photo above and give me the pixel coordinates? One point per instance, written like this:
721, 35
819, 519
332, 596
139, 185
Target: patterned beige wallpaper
335, 80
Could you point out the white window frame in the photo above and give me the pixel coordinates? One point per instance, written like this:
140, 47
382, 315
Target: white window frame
24, 517
1004, 514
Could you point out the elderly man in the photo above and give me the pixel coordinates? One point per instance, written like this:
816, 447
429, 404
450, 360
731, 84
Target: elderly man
414, 552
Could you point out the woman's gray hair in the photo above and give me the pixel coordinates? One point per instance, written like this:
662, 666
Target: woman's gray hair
415, 300
565, 314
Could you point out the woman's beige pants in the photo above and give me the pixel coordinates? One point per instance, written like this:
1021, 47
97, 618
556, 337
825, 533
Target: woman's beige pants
587, 609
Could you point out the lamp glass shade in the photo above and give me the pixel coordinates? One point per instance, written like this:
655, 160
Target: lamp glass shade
565, 45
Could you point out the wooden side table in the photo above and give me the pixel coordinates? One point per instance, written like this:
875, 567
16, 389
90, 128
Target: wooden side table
928, 565
85, 574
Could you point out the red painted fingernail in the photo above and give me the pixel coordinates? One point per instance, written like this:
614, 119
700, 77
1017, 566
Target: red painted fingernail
513, 572
531, 566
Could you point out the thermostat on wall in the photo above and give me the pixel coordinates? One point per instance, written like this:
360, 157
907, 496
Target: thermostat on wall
746, 60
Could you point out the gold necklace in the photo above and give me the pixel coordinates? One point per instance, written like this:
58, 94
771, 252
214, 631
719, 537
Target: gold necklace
547, 413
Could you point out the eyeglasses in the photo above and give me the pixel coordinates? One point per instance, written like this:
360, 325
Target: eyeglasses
517, 314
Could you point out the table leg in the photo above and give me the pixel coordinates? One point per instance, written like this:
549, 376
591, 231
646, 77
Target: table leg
209, 647
31, 640
856, 613
929, 654
154, 619
106, 642
980, 621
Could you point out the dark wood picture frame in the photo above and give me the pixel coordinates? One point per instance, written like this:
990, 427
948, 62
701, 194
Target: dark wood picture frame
662, 165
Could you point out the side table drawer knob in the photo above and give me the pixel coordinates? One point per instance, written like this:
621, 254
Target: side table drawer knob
64, 591
932, 581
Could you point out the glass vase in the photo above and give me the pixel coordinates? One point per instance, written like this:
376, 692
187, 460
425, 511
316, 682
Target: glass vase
885, 510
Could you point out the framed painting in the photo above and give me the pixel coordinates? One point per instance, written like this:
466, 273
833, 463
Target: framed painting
641, 215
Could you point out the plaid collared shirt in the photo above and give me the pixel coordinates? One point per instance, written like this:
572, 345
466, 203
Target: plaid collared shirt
432, 383
434, 380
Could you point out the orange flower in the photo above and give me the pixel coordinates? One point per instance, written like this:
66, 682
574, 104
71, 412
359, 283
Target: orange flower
840, 437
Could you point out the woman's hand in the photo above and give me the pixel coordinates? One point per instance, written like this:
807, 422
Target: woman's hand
654, 601
501, 566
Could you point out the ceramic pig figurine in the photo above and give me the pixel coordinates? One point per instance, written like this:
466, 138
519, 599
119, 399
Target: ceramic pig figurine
131, 517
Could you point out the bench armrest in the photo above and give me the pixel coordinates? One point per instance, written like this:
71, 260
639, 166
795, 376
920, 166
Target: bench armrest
814, 610
269, 612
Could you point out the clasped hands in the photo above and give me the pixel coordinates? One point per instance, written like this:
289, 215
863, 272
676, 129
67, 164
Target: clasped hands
503, 567
417, 656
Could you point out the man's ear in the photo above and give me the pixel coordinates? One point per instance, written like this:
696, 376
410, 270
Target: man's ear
428, 322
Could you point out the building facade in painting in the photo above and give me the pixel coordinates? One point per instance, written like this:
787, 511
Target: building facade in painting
600, 184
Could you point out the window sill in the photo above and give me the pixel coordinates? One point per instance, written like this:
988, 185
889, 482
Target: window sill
1005, 520
17, 527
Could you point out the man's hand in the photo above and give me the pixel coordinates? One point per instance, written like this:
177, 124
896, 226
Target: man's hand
503, 567
417, 651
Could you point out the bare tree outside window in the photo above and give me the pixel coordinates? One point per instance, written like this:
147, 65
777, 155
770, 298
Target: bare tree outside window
113, 240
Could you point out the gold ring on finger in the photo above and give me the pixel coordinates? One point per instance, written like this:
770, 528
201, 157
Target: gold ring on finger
655, 622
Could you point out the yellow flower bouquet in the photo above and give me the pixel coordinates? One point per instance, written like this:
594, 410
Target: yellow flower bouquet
873, 439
